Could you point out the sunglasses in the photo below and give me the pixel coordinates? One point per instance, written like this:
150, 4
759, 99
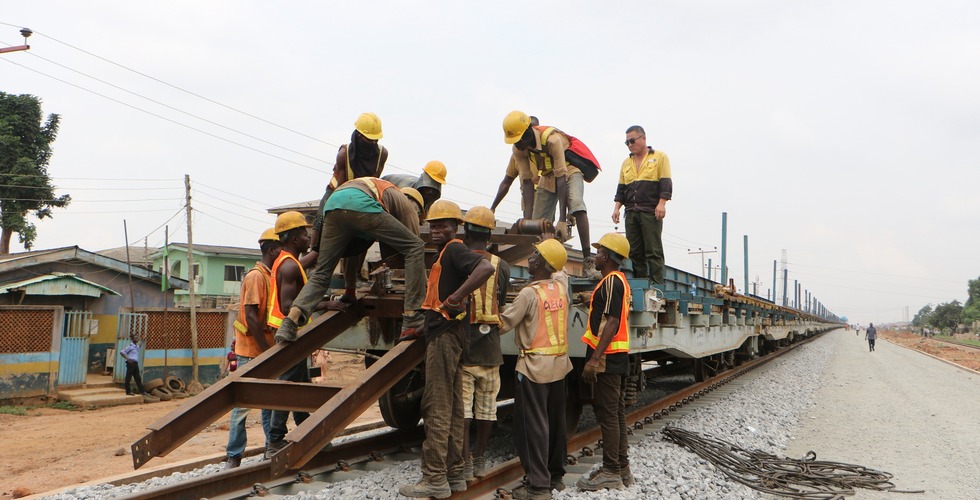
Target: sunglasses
630, 142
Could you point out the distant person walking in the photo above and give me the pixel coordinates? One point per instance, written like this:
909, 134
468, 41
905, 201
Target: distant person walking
871, 335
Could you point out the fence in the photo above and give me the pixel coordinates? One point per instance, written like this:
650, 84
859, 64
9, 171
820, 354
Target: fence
30, 343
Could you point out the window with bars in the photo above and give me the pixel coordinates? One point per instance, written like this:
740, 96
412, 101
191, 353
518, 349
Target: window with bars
234, 273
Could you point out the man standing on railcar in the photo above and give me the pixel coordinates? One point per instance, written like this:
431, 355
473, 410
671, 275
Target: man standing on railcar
644, 188
482, 358
456, 273
539, 317
607, 363
253, 336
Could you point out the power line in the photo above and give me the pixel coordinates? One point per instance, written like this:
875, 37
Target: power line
198, 185
223, 221
232, 213
175, 122
89, 201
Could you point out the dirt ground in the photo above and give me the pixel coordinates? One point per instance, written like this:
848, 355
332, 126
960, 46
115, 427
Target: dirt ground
963, 356
49, 448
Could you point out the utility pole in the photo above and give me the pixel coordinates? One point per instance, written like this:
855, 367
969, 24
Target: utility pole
702, 252
195, 385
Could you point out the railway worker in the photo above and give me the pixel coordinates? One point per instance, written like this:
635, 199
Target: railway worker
482, 358
361, 157
253, 336
644, 188
286, 280
414, 195
509, 175
456, 273
607, 354
428, 183
559, 183
539, 318
871, 335
360, 212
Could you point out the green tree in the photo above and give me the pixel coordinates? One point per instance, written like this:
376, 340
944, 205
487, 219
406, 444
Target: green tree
25, 150
971, 309
923, 316
947, 315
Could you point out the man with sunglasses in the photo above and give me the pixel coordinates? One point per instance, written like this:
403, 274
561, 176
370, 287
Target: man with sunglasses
560, 184
644, 188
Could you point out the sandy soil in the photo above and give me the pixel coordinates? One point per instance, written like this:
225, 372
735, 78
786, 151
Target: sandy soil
963, 356
50, 449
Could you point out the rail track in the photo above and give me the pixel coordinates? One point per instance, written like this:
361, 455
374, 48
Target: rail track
362, 456
954, 342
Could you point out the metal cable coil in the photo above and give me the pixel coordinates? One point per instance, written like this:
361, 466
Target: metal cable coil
787, 477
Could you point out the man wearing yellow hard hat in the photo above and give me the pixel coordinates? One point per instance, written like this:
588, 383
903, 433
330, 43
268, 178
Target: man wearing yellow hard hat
428, 183
253, 336
560, 185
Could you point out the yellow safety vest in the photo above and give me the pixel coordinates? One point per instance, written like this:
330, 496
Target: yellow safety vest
484, 300
550, 337
547, 164
621, 341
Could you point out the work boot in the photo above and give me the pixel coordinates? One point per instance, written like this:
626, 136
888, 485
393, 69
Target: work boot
469, 473
627, 476
479, 466
423, 489
413, 326
233, 462
589, 270
274, 447
557, 484
601, 479
287, 331
527, 492
457, 479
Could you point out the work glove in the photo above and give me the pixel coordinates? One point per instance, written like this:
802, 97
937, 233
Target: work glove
455, 310
561, 231
589, 373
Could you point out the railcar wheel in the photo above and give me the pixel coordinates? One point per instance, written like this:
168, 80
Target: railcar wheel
401, 406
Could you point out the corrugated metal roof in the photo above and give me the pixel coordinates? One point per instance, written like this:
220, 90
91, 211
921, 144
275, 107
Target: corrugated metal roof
215, 250
57, 284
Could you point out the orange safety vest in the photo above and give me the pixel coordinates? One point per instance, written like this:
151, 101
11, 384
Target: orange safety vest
484, 300
241, 323
621, 341
550, 338
275, 312
432, 302
350, 172
377, 188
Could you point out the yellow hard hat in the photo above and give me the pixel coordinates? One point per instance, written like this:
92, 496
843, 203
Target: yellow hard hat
515, 124
554, 253
480, 216
290, 220
444, 209
414, 195
437, 170
616, 243
369, 125
269, 235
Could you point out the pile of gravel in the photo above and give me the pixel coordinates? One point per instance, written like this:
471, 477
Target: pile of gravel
759, 415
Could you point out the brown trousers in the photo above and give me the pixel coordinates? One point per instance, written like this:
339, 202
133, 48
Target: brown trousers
442, 405
610, 411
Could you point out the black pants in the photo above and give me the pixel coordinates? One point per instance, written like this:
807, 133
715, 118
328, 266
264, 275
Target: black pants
539, 430
133, 371
871, 344
277, 427
610, 411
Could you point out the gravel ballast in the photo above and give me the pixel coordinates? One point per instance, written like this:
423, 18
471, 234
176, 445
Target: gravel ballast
763, 411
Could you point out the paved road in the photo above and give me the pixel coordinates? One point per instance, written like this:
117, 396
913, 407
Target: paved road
899, 411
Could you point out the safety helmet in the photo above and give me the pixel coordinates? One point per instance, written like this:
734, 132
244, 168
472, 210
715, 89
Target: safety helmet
437, 170
444, 209
616, 243
480, 216
414, 195
554, 253
290, 220
369, 125
269, 235
515, 124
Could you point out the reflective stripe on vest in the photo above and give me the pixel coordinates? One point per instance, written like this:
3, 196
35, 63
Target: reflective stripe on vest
484, 300
621, 341
275, 313
545, 157
377, 187
334, 183
550, 338
241, 323
432, 302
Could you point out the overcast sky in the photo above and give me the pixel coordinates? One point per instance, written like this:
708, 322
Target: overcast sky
845, 132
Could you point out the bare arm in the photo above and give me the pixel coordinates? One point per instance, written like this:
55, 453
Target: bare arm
502, 191
527, 193
290, 282
255, 325
476, 279
561, 190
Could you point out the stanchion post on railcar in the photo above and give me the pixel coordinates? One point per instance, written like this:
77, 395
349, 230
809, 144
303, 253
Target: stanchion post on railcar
724, 248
